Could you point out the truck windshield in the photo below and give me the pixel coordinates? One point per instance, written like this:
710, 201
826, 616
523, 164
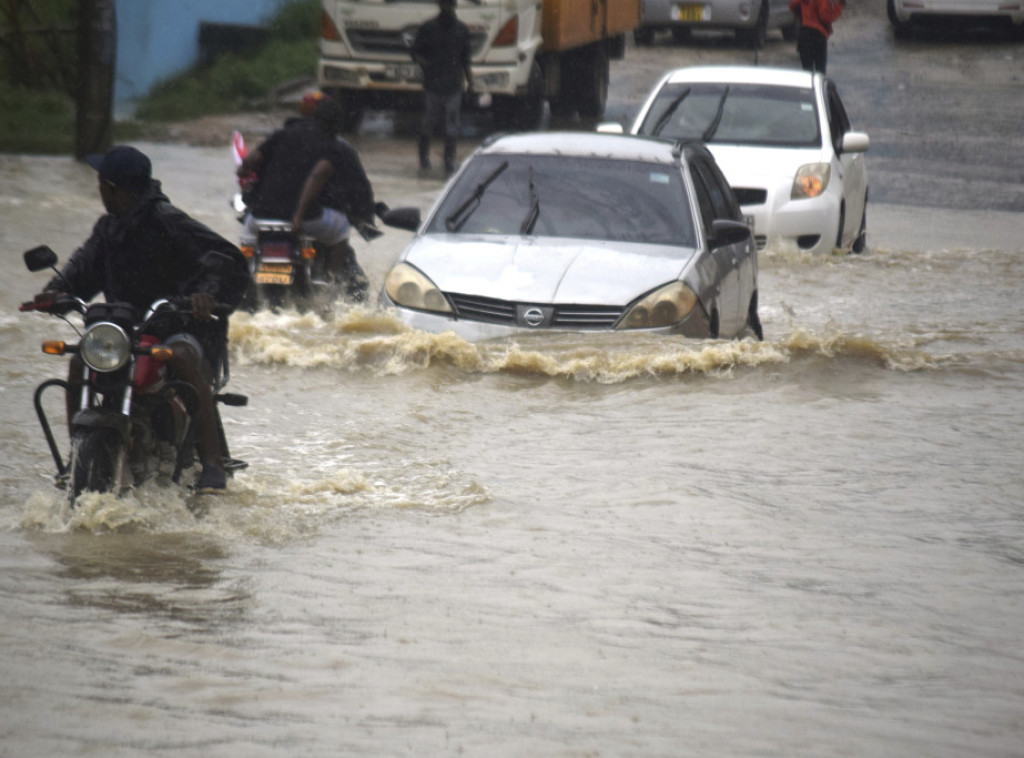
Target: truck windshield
741, 114
566, 196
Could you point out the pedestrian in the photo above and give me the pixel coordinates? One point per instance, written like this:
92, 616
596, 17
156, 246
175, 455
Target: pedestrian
145, 249
313, 178
442, 49
815, 18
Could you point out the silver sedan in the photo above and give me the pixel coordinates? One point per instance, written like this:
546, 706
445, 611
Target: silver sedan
750, 19
579, 232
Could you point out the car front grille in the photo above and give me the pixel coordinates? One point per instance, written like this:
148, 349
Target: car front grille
492, 311
750, 195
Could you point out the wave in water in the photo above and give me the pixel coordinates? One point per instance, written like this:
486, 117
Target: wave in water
375, 340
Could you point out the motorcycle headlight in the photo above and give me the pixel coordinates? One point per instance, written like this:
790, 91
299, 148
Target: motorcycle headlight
811, 180
410, 288
663, 307
105, 347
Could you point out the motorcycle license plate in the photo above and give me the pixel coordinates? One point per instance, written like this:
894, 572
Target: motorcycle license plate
274, 273
690, 12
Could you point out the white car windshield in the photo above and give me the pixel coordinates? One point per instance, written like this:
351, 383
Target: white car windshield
565, 196
742, 114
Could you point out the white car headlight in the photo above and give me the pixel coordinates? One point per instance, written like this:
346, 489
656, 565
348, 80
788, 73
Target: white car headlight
811, 180
408, 287
105, 347
663, 307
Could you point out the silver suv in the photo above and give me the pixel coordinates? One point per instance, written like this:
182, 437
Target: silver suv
751, 19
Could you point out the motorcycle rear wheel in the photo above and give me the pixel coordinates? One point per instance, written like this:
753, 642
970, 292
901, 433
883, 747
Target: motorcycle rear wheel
95, 458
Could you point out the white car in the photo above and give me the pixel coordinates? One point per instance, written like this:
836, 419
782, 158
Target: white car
902, 13
750, 19
784, 142
579, 232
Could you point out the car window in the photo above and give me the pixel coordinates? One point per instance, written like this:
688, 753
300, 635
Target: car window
723, 200
564, 196
838, 121
744, 114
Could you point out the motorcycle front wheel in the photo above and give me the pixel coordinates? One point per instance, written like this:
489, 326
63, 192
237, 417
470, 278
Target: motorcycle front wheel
95, 459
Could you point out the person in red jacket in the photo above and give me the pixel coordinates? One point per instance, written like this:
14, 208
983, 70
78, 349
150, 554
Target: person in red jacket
816, 18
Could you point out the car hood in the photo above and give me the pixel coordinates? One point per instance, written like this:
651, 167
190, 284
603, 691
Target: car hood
543, 270
763, 166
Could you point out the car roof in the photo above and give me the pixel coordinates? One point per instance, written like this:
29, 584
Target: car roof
583, 144
785, 77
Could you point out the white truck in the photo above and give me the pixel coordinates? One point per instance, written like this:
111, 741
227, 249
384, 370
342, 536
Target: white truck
523, 53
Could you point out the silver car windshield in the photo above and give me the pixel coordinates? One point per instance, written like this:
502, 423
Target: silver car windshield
565, 196
740, 114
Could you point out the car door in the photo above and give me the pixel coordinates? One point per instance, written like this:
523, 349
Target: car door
849, 166
733, 261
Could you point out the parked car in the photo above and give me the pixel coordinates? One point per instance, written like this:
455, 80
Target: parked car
580, 232
750, 19
783, 140
903, 13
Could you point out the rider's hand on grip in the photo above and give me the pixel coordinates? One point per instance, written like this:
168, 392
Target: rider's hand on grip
203, 305
49, 302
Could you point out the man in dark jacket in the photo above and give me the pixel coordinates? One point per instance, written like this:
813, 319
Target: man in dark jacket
145, 249
303, 167
442, 50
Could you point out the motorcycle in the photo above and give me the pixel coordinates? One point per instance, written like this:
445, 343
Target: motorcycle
133, 422
289, 268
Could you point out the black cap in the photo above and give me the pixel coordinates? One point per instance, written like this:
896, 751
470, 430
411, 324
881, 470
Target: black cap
123, 166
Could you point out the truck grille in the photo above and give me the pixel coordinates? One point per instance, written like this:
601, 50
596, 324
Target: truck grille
750, 196
392, 42
492, 311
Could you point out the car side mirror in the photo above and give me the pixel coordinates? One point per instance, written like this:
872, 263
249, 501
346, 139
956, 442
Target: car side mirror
728, 232
407, 218
39, 258
855, 142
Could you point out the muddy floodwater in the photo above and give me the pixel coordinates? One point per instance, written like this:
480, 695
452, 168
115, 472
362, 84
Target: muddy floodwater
560, 545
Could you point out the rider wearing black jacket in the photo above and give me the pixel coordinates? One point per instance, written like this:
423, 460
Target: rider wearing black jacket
145, 249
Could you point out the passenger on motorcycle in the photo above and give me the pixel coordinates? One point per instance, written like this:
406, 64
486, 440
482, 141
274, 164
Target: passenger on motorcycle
313, 178
145, 249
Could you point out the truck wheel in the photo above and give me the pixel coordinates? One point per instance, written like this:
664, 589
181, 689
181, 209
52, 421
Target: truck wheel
590, 82
525, 113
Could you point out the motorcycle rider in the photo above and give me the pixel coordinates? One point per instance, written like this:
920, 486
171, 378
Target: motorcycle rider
312, 177
145, 249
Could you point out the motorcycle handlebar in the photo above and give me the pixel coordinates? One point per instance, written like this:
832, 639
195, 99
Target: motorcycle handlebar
56, 303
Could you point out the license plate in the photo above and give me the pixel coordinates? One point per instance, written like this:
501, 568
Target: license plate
269, 277
404, 72
690, 12
274, 273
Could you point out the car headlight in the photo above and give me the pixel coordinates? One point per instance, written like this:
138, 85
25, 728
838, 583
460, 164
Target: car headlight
408, 287
811, 180
105, 347
663, 307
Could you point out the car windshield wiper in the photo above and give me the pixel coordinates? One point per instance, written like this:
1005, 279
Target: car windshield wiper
713, 126
673, 106
531, 218
461, 215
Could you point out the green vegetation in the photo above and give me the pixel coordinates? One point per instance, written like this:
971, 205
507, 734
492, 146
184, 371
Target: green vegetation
236, 83
37, 109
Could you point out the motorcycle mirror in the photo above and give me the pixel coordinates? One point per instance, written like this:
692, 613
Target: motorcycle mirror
39, 258
407, 218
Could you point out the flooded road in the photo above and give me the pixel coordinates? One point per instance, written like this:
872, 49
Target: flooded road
565, 545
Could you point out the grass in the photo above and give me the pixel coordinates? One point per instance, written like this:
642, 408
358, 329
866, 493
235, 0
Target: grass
34, 121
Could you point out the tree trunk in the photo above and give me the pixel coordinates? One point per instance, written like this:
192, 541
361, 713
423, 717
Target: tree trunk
94, 99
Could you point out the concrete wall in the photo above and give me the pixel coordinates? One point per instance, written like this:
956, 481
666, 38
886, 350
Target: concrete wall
158, 38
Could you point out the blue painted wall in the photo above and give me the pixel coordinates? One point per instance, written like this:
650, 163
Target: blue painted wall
159, 38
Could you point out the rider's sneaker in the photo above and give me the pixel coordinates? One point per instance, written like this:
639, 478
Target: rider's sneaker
211, 481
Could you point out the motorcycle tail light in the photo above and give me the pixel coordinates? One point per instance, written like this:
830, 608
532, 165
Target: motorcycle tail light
248, 250
105, 347
55, 347
309, 252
